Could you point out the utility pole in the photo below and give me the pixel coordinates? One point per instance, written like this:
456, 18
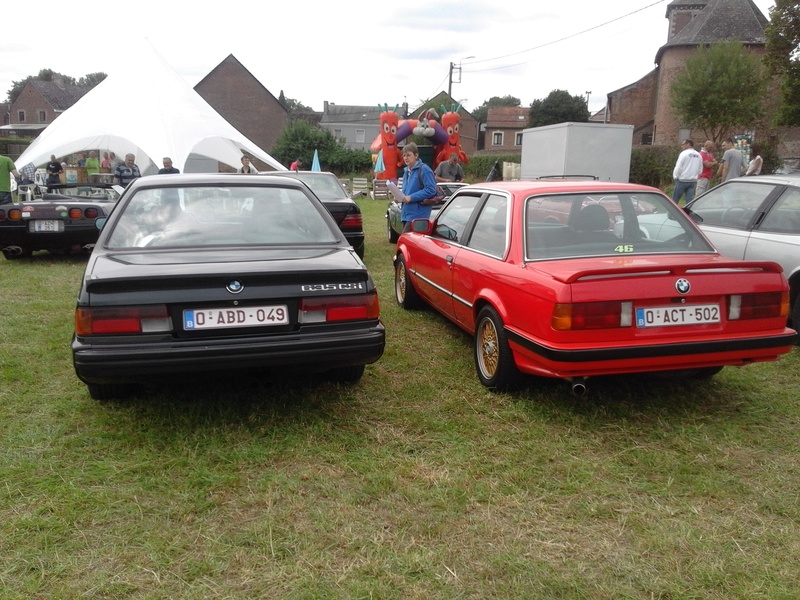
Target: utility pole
453, 67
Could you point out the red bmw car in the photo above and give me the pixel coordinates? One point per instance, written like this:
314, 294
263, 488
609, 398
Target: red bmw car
588, 294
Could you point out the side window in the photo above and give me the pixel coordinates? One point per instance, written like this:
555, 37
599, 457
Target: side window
452, 220
491, 227
784, 216
731, 205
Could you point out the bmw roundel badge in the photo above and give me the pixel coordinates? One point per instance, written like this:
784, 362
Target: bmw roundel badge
683, 286
235, 286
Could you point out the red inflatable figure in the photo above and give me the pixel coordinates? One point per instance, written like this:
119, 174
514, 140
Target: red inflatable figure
451, 121
390, 153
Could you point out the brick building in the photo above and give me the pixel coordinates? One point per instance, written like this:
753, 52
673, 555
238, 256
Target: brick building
647, 103
503, 130
39, 104
244, 102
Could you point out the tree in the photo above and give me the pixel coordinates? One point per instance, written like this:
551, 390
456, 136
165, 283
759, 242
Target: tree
482, 111
299, 140
783, 57
558, 107
91, 80
721, 88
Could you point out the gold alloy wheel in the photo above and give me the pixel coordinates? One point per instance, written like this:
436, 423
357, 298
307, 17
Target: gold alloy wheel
401, 281
488, 354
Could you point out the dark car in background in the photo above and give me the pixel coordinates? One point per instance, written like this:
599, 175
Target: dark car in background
62, 220
344, 209
215, 274
394, 226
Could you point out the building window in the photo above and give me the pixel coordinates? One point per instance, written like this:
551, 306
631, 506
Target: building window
497, 138
518, 139
337, 133
42, 116
360, 136
21, 116
647, 139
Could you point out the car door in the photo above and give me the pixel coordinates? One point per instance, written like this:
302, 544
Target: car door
728, 212
478, 265
777, 236
438, 251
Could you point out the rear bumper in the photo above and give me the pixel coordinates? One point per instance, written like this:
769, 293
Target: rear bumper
562, 362
20, 236
138, 361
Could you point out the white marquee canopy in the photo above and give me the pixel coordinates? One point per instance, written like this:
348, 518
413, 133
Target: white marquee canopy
150, 111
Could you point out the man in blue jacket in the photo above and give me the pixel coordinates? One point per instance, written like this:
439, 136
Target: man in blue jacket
419, 183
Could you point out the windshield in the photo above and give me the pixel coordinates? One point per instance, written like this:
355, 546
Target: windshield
587, 224
219, 215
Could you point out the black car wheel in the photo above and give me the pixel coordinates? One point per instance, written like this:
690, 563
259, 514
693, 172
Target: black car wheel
493, 359
404, 291
392, 234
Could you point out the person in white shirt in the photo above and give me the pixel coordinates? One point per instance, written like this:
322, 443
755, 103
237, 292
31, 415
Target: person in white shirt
686, 172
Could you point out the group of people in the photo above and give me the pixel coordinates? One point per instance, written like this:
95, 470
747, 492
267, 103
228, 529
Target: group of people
694, 170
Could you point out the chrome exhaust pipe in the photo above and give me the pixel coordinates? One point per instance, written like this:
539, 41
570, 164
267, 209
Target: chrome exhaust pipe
578, 386
12, 251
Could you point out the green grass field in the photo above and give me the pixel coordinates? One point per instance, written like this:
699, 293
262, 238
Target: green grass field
415, 483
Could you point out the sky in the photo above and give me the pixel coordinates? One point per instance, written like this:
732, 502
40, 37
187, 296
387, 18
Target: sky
358, 52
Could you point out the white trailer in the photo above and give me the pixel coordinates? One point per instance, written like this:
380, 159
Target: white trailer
598, 149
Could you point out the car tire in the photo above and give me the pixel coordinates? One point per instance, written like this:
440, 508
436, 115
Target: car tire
494, 361
349, 374
404, 290
392, 234
109, 391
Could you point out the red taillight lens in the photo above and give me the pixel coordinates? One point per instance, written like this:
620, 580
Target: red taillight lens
764, 305
75, 213
2, 215
15, 214
355, 220
122, 319
339, 308
91, 213
592, 315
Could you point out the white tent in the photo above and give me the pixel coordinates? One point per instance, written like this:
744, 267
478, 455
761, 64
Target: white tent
150, 111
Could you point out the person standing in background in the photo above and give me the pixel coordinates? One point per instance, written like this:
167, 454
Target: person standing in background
732, 160
709, 162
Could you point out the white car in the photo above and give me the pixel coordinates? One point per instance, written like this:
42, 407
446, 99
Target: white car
756, 218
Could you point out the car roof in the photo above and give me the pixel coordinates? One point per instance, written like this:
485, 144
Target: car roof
184, 179
550, 186
779, 178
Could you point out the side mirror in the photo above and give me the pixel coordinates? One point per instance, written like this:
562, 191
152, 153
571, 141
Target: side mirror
421, 226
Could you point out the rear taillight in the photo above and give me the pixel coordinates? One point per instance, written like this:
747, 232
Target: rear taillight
91, 213
352, 220
339, 308
763, 305
122, 319
14, 214
592, 315
75, 213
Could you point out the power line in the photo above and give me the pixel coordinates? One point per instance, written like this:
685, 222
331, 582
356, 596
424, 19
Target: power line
553, 42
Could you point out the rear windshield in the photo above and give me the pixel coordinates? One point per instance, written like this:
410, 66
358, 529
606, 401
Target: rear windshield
211, 216
325, 186
577, 225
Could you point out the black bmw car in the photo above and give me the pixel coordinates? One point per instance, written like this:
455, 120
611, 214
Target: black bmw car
201, 273
344, 209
